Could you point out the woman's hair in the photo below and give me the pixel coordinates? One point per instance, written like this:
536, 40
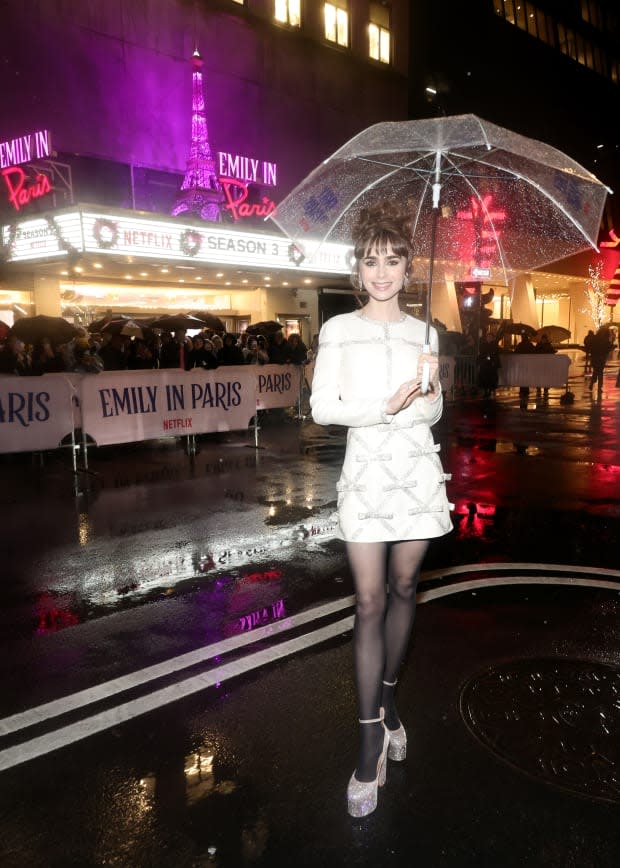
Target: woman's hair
375, 228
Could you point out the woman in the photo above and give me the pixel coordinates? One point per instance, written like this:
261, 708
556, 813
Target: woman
392, 497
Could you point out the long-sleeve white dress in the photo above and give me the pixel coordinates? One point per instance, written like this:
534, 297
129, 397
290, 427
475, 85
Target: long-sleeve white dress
392, 486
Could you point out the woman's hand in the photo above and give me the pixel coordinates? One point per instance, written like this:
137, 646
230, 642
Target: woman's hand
403, 397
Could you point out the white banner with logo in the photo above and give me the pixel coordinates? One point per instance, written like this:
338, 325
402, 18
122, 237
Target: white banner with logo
36, 413
276, 385
124, 407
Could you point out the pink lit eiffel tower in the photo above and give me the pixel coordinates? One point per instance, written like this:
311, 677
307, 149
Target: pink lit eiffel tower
200, 192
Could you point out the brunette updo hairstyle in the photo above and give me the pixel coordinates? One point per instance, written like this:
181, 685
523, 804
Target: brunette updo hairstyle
374, 228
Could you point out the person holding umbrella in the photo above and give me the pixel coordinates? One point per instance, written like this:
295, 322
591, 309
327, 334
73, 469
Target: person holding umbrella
391, 493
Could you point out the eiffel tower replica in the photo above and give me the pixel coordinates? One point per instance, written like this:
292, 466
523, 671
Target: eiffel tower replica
201, 192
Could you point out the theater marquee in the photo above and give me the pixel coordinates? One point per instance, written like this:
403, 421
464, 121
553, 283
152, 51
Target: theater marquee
112, 234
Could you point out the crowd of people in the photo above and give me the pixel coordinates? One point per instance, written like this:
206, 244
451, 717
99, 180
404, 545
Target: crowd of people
114, 351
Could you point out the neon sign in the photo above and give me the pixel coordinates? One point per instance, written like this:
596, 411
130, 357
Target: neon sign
484, 221
247, 169
34, 146
615, 241
21, 191
236, 193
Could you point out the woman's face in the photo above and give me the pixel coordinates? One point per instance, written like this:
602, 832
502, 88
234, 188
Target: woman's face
382, 275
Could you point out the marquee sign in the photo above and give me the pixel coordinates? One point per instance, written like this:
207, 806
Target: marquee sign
118, 233
22, 187
23, 149
250, 169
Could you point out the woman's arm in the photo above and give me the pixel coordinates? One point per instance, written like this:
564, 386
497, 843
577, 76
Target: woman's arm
327, 406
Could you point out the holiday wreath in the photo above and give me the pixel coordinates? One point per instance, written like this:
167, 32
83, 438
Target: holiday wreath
190, 242
106, 233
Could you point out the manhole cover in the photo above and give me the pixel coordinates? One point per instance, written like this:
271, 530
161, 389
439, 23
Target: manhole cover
558, 720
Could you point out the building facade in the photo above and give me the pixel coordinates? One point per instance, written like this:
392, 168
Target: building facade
548, 69
97, 118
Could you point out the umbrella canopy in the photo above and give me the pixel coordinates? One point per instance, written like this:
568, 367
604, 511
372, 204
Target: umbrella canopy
268, 327
98, 324
33, 329
210, 320
516, 328
123, 326
555, 333
174, 322
484, 201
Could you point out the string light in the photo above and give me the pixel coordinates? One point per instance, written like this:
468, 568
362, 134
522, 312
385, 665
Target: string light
596, 294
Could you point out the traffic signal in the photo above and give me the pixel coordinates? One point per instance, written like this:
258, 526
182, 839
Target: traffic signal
475, 306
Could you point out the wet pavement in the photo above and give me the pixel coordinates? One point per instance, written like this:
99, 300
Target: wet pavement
176, 667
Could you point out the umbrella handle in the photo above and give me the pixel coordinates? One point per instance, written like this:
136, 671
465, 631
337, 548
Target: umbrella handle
426, 371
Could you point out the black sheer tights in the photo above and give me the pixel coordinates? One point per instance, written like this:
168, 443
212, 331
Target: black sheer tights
382, 629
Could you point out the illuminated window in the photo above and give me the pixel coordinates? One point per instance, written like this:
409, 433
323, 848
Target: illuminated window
581, 55
541, 26
240, 2
288, 12
520, 15
591, 12
530, 14
337, 22
599, 61
566, 39
379, 33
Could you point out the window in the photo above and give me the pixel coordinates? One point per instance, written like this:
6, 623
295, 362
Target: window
581, 55
530, 13
288, 12
337, 23
566, 39
541, 26
591, 12
379, 33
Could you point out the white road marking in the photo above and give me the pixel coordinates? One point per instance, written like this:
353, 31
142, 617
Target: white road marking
99, 722
105, 690
66, 735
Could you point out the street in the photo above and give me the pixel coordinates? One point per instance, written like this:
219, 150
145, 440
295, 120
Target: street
176, 672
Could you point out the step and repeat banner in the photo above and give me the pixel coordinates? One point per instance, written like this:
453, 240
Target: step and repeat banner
37, 413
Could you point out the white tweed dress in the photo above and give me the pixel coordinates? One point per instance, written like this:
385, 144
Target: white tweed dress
392, 486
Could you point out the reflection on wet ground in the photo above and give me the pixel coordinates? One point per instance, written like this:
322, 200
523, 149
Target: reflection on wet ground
150, 522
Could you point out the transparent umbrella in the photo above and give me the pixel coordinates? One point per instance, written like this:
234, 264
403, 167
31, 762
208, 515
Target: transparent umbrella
485, 201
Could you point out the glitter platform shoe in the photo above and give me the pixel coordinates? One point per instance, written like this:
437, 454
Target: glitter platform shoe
397, 750
362, 795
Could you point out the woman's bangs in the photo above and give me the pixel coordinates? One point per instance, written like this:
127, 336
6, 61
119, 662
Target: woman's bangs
379, 242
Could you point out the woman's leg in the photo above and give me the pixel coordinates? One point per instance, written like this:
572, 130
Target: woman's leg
368, 565
403, 571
